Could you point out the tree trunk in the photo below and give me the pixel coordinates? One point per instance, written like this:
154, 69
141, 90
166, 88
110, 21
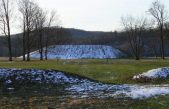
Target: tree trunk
137, 58
46, 45
10, 48
46, 49
162, 43
9, 39
28, 46
41, 46
23, 41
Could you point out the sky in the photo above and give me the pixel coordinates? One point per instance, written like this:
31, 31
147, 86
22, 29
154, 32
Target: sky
96, 15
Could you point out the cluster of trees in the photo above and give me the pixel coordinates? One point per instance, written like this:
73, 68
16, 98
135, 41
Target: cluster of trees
35, 22
38, 25
136, 27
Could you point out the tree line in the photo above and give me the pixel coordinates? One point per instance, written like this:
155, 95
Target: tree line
136, 27
38, 24
35, 22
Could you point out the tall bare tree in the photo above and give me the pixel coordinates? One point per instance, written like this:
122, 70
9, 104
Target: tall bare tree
40, 21
28, 10
23, 26
159, 12
135, 28
52, 21
5, 20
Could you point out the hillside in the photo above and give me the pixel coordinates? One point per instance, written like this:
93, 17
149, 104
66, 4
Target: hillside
80, 52
70, 36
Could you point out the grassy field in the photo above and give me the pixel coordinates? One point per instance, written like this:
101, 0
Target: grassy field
118, 71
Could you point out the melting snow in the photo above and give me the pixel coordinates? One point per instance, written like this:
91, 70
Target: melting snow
79, 87
154, 73
80, 52
118, 91
9, 76
147, 91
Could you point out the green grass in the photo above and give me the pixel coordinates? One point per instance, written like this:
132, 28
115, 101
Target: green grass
118, 71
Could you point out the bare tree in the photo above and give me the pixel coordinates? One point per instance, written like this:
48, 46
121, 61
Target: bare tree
5, 20
40, 21
28, 10
158, 11
135, 27
23, 26
52, 17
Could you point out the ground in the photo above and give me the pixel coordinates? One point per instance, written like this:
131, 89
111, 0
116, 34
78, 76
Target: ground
116, 71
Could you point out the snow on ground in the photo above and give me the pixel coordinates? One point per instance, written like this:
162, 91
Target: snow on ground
118, 91
80, 52
154, 73
34, 75
78, 86
145, 91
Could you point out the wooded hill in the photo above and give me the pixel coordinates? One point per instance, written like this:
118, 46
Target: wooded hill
67, 36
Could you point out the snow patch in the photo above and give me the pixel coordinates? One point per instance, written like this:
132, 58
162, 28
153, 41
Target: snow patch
79, 87
118, 91
154, 73
10, 76
147, 92
80, 52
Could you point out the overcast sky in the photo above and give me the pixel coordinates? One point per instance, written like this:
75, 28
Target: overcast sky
97, 15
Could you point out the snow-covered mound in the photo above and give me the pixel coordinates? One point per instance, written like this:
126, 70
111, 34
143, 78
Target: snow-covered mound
154, 73
80, 52
78, 86
10, 76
